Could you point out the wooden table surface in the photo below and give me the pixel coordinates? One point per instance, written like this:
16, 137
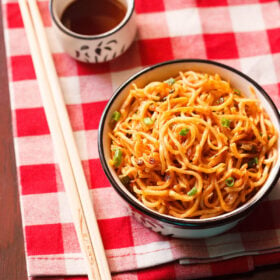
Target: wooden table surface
12, 258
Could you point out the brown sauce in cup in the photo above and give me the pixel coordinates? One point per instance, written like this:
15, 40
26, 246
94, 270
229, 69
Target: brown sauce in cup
93, 17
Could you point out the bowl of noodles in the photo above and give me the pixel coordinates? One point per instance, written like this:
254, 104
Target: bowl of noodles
191, 145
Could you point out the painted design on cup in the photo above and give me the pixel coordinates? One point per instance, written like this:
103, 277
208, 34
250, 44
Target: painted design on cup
86, 53
107, 46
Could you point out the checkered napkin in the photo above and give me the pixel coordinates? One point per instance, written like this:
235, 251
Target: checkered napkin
243, 34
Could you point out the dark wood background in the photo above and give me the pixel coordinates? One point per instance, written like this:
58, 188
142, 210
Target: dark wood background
12, 258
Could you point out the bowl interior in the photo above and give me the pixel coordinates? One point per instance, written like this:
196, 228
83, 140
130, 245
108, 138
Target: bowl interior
171, 69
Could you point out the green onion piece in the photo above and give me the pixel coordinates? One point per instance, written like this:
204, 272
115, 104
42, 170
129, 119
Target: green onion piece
193, 191
117, 159
253, 162
125, 180
184, 131
237, 91
225, 122
170, 81
220, 100
116, 116
148, 121
230, 182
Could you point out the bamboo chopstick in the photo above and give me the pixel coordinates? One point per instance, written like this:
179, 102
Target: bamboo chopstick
70, 141
64, 144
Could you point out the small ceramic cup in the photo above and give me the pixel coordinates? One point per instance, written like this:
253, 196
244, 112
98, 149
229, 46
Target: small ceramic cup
95, 48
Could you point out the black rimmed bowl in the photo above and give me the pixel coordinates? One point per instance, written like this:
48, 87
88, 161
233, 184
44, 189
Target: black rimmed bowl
165, 224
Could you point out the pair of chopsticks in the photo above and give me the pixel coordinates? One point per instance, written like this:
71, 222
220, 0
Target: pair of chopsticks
64, 143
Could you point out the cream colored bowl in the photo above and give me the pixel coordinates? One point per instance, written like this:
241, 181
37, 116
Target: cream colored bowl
167, 225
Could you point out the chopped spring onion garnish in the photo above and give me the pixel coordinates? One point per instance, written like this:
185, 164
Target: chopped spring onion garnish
117, 159
237, 91
170, 81
230, 182
148, 121
184, 131
253, 162
225, 122
193, 191
220, 100
116, 116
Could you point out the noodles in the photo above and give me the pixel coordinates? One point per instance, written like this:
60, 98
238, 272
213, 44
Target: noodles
192, 147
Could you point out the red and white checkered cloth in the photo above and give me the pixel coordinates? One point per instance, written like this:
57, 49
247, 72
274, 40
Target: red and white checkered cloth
243, 34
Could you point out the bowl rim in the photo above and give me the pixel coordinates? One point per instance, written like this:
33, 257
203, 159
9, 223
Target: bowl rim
236, 214
61, 27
